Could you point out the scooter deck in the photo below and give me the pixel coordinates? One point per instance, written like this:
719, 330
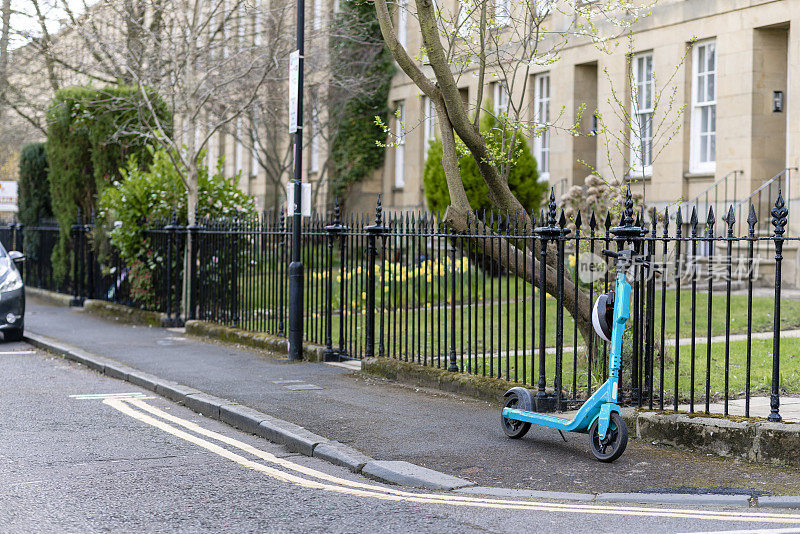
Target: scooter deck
582, 420
540, 419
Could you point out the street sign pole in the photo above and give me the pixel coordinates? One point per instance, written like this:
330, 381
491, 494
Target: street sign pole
296, 124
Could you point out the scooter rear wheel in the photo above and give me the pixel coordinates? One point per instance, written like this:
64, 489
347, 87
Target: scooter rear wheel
521, 399
612, 447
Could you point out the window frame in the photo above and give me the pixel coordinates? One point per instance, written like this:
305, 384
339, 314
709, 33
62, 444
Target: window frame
541, 141
402, 22
500, 97
400, 146
238, 154
314, 148
697, 136
639, 86
319, 14
502, 12
429, 128
464, 25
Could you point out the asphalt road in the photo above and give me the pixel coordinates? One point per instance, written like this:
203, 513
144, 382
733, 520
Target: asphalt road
456, 435
84, 453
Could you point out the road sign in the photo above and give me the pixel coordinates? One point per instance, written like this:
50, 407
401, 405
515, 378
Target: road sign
294, 76
8, 196
305, 206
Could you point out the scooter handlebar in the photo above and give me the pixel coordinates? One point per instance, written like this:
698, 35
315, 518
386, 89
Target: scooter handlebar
610, 253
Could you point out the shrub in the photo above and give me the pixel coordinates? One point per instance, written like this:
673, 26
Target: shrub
146, 195
523, 179
91, 134
34, 194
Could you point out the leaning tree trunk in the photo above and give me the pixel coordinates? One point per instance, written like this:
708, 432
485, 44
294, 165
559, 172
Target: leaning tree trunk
525, 265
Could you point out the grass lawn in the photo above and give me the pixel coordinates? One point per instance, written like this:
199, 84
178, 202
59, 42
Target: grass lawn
500, 327
526, 369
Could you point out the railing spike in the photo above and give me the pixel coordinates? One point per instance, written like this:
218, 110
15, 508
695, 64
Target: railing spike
752, 218
779, 213
730, 219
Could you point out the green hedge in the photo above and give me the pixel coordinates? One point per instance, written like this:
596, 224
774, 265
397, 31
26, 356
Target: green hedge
91, 134
34, 194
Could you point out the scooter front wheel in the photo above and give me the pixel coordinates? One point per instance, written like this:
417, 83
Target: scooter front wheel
521, 399
612, 447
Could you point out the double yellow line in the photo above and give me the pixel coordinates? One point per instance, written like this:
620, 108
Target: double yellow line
293, 473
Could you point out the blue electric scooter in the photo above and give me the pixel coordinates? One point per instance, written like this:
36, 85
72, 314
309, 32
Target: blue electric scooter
600, 415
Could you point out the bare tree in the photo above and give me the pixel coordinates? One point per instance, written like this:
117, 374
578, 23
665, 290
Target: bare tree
505, 40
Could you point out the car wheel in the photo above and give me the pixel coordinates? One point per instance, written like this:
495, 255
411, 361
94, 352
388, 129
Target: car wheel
14, 334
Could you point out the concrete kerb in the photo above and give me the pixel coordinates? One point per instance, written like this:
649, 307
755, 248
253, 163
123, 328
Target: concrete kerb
278, 345
755, 441
51, 297
298, 439
109, 310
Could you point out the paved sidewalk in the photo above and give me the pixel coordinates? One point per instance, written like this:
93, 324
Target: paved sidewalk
390, 422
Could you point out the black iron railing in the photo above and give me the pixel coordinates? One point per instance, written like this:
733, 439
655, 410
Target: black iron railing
507, 296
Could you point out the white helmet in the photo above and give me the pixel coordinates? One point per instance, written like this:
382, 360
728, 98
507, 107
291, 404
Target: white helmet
603, 315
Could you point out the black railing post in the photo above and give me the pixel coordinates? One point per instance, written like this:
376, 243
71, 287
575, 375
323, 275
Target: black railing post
638, 289
752, 220
16, 242
730, 220
453, 367
191, 294
281, 265
332, 231
678, 227
629, 232
549, 231
373, 231
76, 258
235, 246
20, 246
710, 222
560, 238
89, 252
650, 312
170, 229
779, 214
381, 331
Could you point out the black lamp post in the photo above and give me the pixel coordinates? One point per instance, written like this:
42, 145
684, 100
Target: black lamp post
296, 265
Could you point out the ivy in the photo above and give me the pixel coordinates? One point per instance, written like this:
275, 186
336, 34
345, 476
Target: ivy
362, 75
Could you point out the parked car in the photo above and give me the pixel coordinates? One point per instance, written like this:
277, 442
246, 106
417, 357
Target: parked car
12, 295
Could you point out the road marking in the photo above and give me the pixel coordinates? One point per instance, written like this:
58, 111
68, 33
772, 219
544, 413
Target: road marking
344, 486
287, 381
301, 387
93, 396
10, 352
749, 531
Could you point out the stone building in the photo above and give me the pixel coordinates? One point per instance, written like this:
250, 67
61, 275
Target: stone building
728, 64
